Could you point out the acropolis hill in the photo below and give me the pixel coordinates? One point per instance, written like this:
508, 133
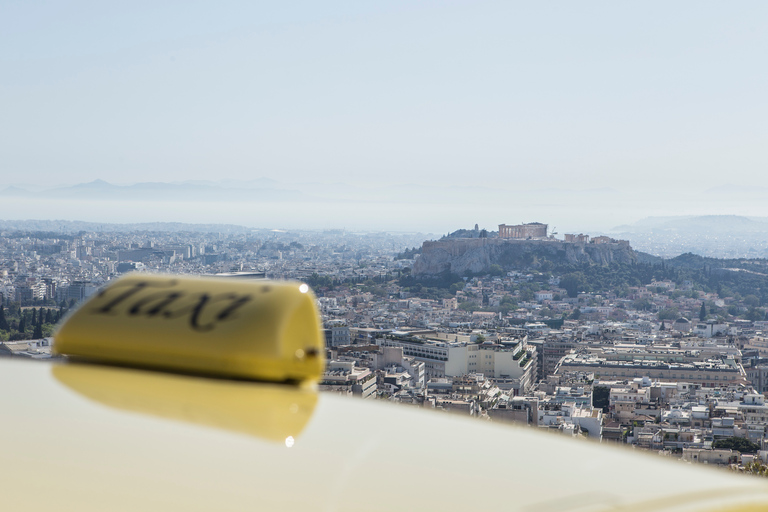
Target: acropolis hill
459, 255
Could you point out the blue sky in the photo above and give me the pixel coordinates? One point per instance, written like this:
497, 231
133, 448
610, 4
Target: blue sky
634, 97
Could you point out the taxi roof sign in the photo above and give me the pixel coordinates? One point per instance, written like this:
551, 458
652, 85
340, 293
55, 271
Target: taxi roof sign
262, 330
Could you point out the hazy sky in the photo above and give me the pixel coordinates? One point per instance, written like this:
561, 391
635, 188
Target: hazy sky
637, 96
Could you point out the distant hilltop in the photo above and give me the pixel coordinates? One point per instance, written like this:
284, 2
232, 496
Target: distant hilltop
75, 226
518, 247
529, 231
719, 236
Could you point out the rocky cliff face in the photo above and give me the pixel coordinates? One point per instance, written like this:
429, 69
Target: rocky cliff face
478, 254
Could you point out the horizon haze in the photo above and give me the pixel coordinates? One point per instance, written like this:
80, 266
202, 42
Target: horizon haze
396, 116
268, 203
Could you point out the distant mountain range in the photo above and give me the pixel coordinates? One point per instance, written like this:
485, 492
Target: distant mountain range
266, 189
385, 205
67, 226
737, 190
157, 191
719, 236
699, 224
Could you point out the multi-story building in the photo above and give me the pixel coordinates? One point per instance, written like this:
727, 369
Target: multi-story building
50, 288
758, 376
23, 294
709, 373
337, 335
553, 351
624, 401
754, 409
390, 357
79, 290
510, 360
345, 378
710, 329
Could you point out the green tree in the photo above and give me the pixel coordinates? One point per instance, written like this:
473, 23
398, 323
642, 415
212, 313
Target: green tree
496, 270
702, 313
601, 397
736, 443
3, 321
642, 305
469, 306
669, 314
526, 294
756, 468
752, 301
573, 283
507, 304
317, 281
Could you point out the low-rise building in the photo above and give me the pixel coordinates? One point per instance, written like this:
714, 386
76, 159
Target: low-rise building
345, 378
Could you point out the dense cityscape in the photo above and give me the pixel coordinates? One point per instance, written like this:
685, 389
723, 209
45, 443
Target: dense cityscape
661, 357
350, 256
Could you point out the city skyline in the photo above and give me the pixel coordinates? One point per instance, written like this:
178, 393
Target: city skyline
547, 214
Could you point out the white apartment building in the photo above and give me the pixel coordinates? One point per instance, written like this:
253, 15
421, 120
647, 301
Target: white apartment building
758, 376
511, 360
394, 357
345, 378
588, 419
708, 373
754, 409
710, 329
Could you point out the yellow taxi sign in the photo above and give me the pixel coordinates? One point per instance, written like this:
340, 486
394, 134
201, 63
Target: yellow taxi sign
263, 330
